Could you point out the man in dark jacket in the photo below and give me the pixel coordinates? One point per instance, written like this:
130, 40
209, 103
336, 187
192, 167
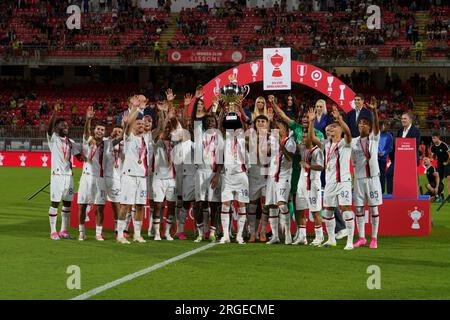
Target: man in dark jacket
408, 130
352, 116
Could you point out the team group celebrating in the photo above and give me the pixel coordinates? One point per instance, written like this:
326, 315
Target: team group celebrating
223, 163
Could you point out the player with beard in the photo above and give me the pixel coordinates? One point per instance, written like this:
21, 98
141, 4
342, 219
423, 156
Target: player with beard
61, 182
92, 187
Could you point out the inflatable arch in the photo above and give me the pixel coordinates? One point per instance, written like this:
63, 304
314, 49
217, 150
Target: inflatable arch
301, 73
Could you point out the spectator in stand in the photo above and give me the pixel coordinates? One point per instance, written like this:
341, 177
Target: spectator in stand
385, 146
322, 118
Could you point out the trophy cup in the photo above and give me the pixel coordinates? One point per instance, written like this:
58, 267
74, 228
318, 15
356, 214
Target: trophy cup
231, 92
22, 159
255, 67
415, 215
44, 159
330, 82
276, 60
301, 71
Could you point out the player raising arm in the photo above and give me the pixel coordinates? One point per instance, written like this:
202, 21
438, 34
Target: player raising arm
61, 182
367, 186
338, 188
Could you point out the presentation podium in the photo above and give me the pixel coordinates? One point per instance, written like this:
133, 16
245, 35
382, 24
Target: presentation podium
404, 213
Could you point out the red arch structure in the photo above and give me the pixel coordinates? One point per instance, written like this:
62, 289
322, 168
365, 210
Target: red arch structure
302, 73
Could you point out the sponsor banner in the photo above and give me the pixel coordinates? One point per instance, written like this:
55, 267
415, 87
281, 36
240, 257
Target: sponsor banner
30, 159
206, 56
277, 68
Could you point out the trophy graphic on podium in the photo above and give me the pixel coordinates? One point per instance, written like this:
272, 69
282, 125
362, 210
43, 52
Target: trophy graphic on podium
415, 215
22, 159
44, 159
341, 94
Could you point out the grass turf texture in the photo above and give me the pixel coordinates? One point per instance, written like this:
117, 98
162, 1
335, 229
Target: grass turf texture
34, 267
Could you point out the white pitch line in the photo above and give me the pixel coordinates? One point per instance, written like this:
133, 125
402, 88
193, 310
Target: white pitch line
142, 272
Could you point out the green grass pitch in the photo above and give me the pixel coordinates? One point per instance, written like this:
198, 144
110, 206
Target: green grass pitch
34, 267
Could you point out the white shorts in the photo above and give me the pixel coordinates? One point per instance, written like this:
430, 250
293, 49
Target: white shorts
203, 190
91, 190
150, 187
338, 193
277, 191
133, 190
368, 189
301, 197
112, 189
188, 188
315, 196
257, 187
235, 187
164, 189
61, 188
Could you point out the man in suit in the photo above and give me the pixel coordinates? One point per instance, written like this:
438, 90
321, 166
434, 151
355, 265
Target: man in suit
408, 130
352, 116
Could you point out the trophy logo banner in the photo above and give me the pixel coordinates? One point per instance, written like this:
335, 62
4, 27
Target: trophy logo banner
277, 68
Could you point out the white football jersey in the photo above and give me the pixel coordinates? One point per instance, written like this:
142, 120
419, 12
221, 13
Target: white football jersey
337, 161
135, 149
234, 157
112, 159
212, 143
94, 153
184, 158
365, 156
62, 150
279, 165
163, 165
313, 156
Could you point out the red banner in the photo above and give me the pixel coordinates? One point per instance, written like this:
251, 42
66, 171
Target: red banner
205, 56
405, 170
30, 159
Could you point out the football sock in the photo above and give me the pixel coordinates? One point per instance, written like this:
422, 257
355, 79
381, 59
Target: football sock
98, 230
350, 225
330, 223
225, 220
375, 219
273, 220
65, 218
181, 220
120, 228
241, 220
156, 225
137, 225
53, 217
360, 221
